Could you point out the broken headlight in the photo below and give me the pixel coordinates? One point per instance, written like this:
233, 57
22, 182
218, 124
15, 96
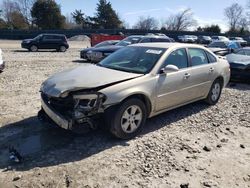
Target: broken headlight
88, 103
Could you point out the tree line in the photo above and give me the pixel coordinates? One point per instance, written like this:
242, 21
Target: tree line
46, 14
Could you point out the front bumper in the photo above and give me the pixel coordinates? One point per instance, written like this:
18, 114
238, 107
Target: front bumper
96, 56
55, 116
240, 75
82, 115
25, 45
83, 55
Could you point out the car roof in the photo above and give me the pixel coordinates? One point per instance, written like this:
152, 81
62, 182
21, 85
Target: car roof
156, 36
52, 34
167, 45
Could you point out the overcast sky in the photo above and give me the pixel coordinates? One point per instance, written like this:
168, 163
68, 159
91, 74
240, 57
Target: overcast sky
206, 12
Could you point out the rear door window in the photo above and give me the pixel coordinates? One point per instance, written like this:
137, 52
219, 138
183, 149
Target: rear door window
145, 40
47, 38
51, 38
247, 52
211, 58
197, 56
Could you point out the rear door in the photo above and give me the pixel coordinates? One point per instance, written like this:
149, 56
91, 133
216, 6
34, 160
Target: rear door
202, 72
50, 42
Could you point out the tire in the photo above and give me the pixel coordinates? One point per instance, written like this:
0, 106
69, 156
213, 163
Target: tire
126, 120
33, 48
62, 49
214, 93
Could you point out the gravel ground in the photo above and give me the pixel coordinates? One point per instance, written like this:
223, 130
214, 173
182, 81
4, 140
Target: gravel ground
193, 146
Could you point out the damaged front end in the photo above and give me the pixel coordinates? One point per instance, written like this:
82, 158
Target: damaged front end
76, 109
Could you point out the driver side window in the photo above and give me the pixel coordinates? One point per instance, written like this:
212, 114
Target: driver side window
177, 58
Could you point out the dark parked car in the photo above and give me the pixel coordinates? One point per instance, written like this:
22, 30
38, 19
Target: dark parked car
85, 53
204, 40
240, 65
46, 41
224, 47
100, 53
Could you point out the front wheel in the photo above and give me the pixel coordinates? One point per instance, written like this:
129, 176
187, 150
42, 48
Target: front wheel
33, 48
126, 120
215, 92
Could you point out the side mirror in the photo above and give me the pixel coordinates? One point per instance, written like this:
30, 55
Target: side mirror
169, 68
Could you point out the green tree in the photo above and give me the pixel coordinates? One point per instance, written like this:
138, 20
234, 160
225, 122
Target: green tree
79, 17
3, 24
106, 17
46, 14
212, 29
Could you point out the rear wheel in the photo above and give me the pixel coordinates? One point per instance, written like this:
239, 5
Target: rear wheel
214, 93
62, 49
126, 120
33, 48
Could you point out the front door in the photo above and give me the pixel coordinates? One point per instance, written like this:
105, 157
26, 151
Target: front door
173, 88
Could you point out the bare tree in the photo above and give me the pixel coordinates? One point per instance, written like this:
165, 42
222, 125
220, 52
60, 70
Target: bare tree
234, 15
8, 7
13, 15
147, 23
25, 8
181, 21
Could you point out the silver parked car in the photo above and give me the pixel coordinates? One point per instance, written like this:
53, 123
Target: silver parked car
134, 83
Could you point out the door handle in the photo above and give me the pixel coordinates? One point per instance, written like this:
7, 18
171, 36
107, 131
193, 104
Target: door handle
186, 75
211, 69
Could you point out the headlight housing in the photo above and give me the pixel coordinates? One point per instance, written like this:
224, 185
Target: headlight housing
107, 53
89, 101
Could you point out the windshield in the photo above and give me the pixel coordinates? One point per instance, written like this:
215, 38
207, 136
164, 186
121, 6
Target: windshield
139, 60
129, 40
101, 44
38, 37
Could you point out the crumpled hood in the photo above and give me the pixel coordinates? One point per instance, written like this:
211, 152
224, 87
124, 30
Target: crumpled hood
237, 58
83, 77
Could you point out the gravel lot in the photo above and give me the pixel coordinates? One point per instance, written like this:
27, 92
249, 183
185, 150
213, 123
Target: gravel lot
193, 146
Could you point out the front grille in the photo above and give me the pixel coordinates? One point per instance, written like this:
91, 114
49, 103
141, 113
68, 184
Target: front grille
61, 105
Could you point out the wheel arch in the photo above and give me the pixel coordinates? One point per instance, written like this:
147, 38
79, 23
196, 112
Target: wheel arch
221, 80
145, 99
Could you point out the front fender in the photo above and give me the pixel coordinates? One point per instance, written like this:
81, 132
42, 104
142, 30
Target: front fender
144, 85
